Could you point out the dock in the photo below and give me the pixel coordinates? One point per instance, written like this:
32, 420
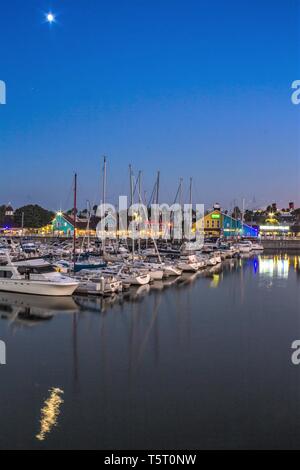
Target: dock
282, 244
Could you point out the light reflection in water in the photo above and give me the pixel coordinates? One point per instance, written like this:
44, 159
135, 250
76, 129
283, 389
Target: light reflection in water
276, 266
50, 413
215, 280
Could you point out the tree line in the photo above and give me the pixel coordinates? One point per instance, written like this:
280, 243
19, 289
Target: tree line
34, 216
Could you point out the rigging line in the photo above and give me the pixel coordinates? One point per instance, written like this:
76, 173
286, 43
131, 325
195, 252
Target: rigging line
136, 182
152, 194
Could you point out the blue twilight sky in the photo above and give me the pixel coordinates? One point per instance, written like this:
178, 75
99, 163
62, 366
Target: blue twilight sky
193, 88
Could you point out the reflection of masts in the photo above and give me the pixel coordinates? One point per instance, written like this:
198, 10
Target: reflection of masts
147, 334
75, 349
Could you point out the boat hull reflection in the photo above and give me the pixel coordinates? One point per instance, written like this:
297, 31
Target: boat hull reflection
31, 309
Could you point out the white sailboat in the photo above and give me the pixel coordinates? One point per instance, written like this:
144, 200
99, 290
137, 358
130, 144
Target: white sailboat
188, 264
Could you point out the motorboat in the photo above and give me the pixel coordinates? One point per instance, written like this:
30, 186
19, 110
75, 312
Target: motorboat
245, 246
34, 276
98, 283
256, 246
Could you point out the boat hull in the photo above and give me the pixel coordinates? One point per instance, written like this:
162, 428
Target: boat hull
53, 289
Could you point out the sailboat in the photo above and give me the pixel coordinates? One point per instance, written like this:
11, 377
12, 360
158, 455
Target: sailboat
88, 264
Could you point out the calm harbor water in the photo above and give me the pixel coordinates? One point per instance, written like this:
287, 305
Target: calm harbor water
200, 364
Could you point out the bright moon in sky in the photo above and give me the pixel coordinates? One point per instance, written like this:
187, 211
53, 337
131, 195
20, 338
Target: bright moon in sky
50, 17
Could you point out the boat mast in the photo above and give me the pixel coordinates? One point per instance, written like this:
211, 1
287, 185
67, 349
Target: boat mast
191, 191
180, 191
89, 214
191, 208
157, 187
243, 215
104, 181
140, 203
131, 185
104, 198
131, 204
75, 210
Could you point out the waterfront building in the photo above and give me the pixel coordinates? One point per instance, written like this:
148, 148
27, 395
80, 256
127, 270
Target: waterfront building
63, 225
8, 225
218, 223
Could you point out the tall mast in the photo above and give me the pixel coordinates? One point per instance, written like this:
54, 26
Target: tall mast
88, 207
104, 181
140, 202
131, 204
75, 210
180, 192
191, 191
140, 187
131, 185
157, 187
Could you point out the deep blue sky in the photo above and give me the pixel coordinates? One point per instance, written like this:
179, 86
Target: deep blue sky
190, 87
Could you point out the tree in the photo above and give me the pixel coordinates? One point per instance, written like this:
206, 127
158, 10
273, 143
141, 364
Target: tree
248, 217
34, 216
296, 214
2, 214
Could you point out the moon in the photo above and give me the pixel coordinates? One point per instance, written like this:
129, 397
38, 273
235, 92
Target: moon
50, 18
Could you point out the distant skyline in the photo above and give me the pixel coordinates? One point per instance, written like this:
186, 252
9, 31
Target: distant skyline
190, 88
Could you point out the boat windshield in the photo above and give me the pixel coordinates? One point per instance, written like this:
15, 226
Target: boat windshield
36, 269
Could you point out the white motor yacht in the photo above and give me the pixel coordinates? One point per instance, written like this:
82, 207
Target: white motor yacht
256, 246
245, 246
